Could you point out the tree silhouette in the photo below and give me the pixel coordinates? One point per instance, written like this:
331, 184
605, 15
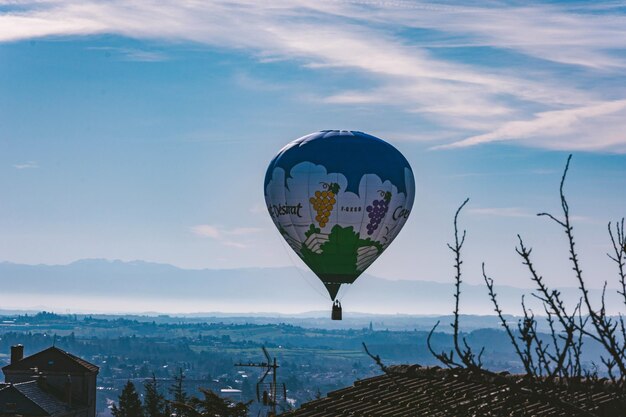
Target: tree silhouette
129, 404
154, 404
179, 395
212, 405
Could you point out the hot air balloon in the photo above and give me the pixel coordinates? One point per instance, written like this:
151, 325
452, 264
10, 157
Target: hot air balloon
339, 198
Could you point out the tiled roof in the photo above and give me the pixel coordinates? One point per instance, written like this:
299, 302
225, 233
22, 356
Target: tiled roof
28, 399
417, 391
52, 359
45, 400
12, 401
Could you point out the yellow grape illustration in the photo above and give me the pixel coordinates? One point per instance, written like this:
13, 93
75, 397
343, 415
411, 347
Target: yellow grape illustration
324, 201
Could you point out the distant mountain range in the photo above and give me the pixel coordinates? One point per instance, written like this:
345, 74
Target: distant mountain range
114, 286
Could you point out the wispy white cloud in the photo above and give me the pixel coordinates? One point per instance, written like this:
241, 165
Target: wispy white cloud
224, 235
233, 244
144, 56
405, 71
206, 230
26, 165
134, 54
501, 211
543, 171
517, 212
247, 81
242, 231
563, 33
559, 124
586, 219
258, 208
399, 136
539, 171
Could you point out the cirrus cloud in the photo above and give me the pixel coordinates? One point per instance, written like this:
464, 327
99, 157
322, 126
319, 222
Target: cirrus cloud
560, 124
225, 236
26, 165
485, 73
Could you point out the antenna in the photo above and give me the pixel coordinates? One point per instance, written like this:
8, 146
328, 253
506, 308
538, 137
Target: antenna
268, 397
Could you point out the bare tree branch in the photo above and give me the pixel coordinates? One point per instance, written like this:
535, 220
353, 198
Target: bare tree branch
494, 300
603, 325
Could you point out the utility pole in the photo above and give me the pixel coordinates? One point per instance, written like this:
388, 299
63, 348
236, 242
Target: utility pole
268, 398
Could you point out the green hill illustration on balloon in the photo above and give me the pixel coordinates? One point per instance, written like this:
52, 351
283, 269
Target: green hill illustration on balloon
336, 260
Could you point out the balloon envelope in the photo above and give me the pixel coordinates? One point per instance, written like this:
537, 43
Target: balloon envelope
339, 198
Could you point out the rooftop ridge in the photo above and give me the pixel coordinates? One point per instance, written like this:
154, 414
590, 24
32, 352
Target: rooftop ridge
407, 389
82, 361
24, 363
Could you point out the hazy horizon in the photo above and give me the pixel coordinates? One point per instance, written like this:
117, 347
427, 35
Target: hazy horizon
115, 287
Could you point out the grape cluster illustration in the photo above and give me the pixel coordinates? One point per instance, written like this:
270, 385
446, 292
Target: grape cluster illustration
377, 211
324, 201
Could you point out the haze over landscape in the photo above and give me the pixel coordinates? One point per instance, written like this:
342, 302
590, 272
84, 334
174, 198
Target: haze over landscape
115, 287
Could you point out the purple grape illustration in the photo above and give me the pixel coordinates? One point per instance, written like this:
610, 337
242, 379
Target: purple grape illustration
377, 211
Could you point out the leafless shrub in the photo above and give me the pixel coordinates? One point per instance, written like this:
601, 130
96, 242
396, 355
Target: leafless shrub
562, 356
465, 356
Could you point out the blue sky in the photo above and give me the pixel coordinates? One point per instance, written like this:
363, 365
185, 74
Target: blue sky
142, 130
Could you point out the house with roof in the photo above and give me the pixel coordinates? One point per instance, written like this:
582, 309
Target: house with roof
412, 391
52, 382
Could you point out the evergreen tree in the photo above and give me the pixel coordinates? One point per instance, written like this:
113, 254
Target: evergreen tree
153, 401
179, 395
129, 404
212, 405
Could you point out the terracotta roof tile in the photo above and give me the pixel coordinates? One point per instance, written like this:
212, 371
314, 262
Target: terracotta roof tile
415, 391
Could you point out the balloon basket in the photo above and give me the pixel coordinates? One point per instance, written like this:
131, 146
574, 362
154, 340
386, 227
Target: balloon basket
336, 313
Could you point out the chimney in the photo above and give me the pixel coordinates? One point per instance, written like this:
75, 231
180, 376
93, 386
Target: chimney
68, 390
17, 353
42, 381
